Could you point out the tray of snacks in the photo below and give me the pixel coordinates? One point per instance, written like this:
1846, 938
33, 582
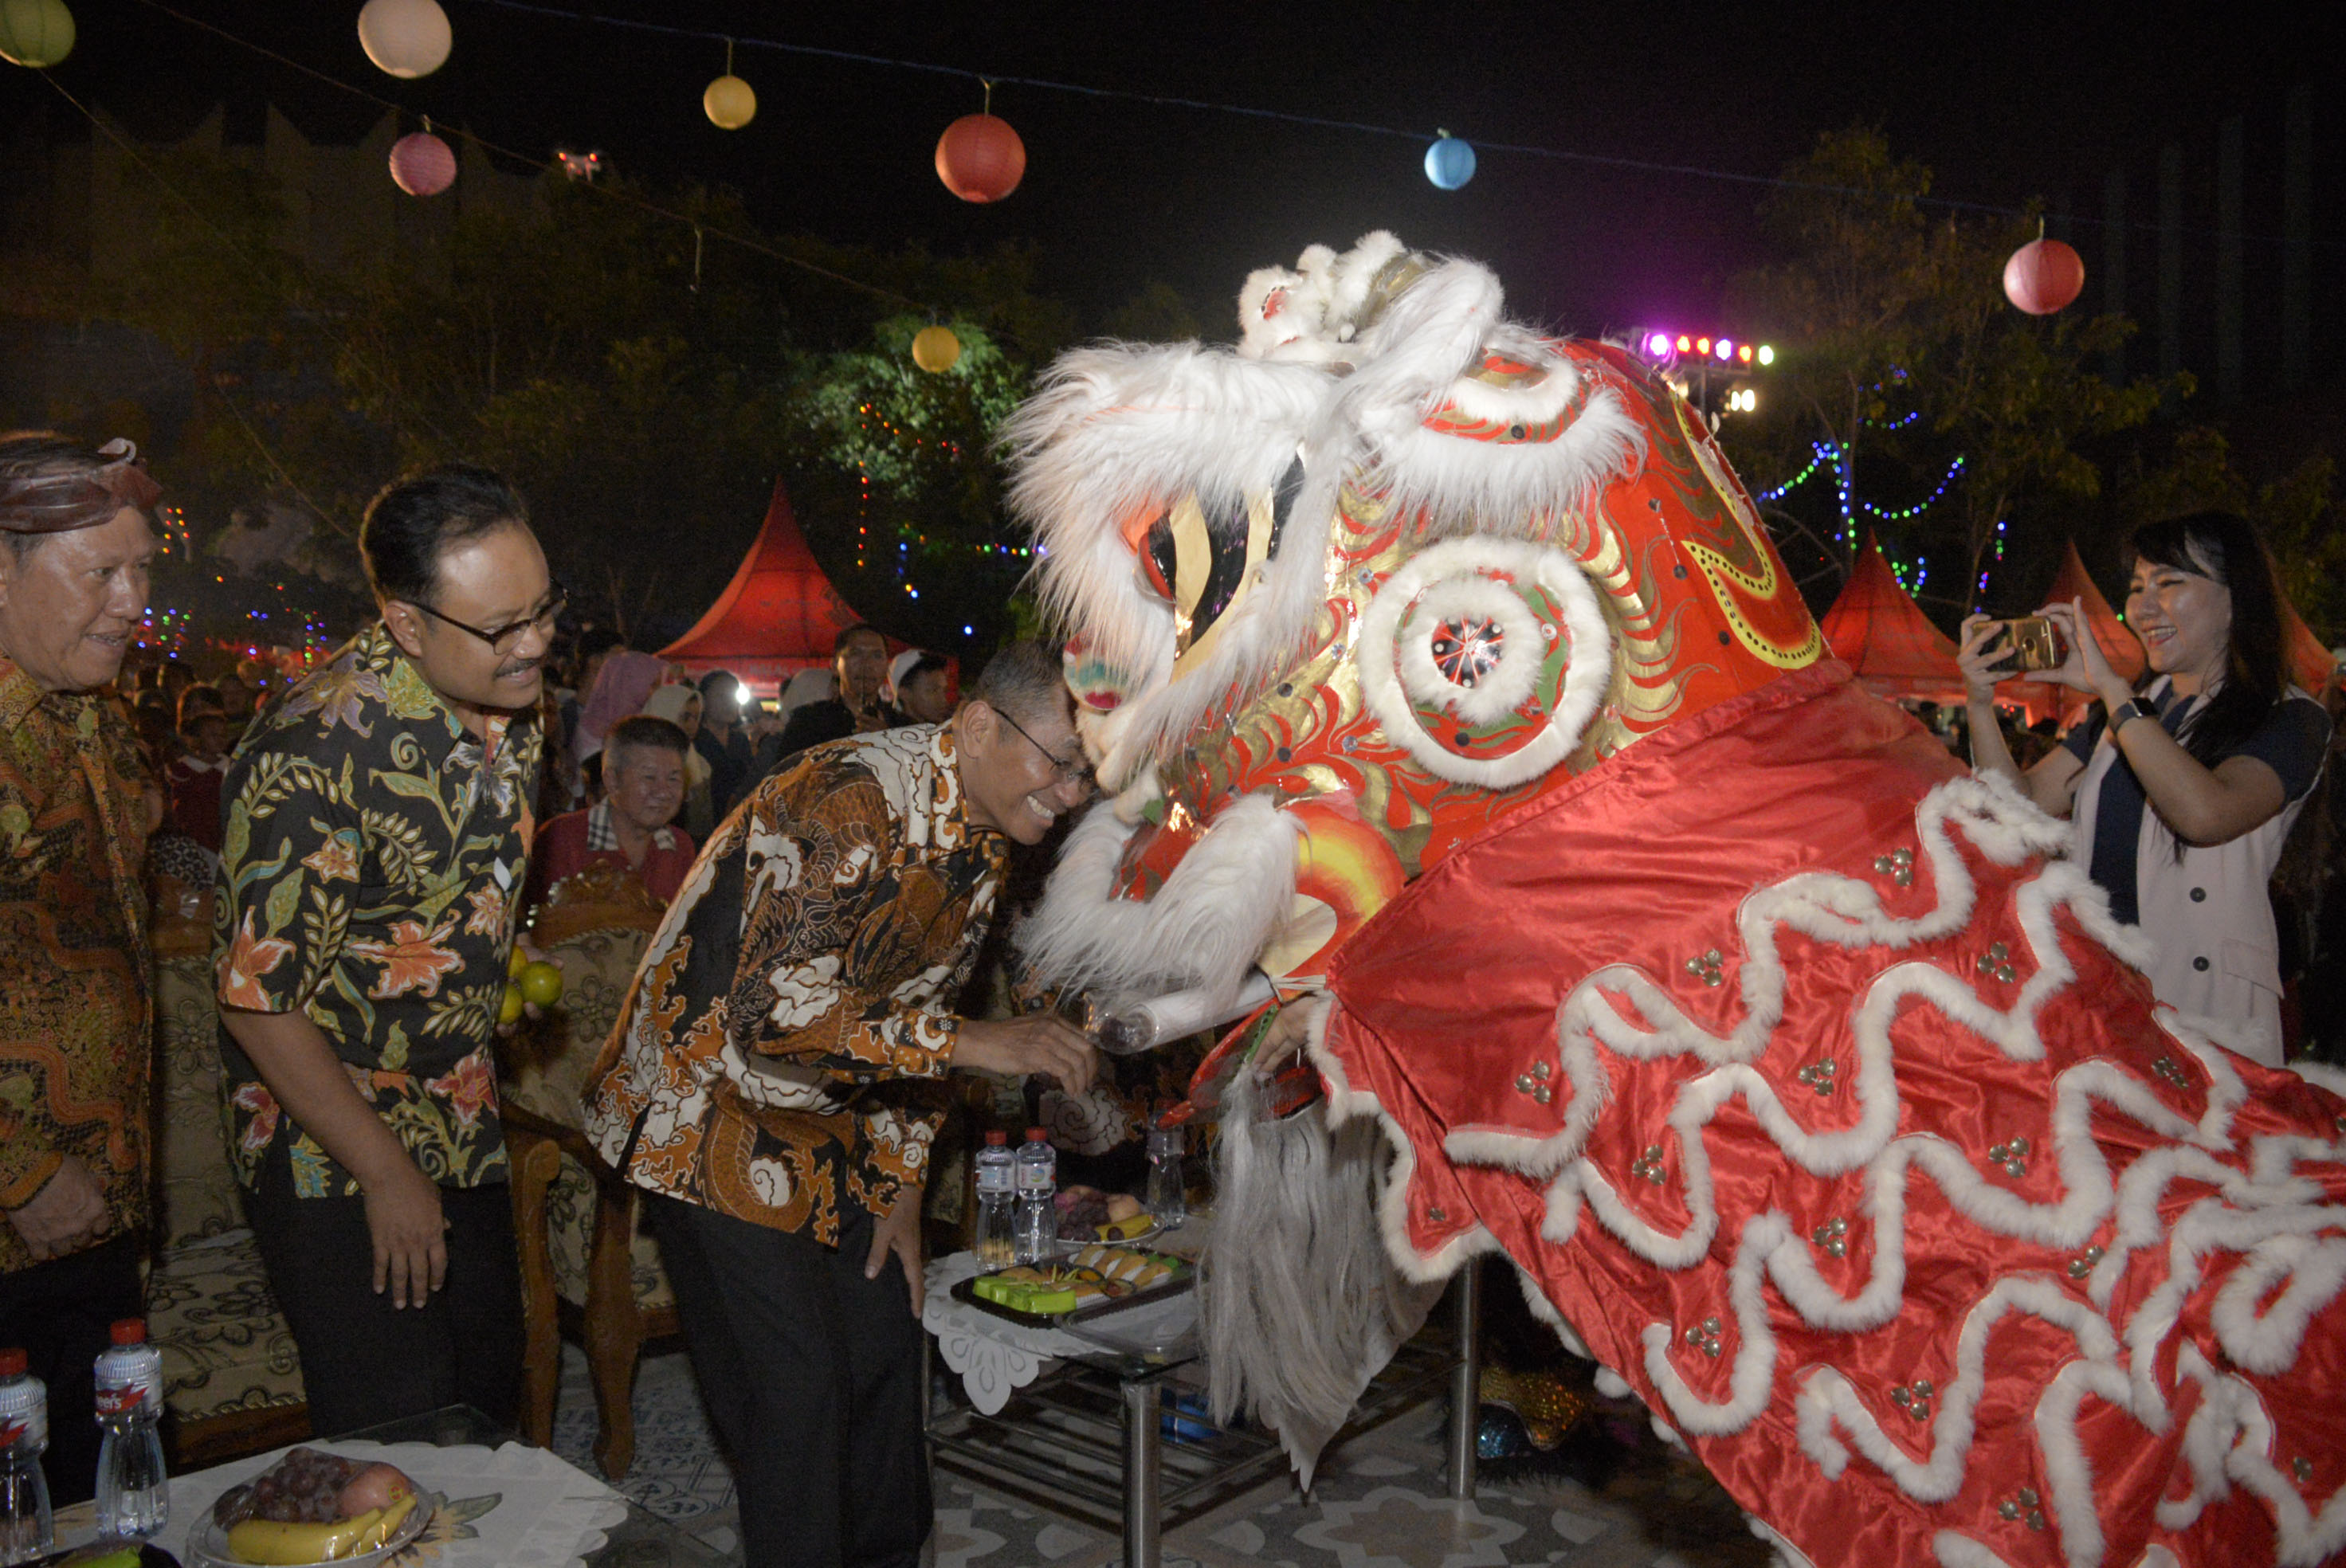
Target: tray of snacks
1094, 1280
313, 1506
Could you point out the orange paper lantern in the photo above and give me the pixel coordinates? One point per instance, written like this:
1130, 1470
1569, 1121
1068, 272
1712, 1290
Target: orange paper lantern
2044, 275
422, 164
980, 158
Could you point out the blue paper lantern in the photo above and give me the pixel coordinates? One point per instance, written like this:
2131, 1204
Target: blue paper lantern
1449, 162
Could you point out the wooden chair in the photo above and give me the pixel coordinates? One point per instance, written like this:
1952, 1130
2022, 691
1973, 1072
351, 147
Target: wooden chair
587, 1267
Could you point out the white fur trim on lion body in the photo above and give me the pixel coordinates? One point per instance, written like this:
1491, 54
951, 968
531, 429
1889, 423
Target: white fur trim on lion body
1202, 929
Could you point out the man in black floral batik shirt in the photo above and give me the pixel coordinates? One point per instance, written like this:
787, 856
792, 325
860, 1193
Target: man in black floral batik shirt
377, 838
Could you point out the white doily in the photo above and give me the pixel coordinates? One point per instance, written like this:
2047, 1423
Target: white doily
991, 1354
547, 1514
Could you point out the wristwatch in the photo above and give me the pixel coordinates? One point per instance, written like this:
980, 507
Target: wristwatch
2137, 709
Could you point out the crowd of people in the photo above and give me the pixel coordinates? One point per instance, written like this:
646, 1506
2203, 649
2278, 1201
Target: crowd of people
372, 833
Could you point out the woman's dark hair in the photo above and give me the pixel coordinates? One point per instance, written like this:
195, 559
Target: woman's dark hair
411, 522
2224, 547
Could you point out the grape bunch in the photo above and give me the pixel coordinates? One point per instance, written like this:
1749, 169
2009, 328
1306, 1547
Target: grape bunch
1081, 1212
305, 1487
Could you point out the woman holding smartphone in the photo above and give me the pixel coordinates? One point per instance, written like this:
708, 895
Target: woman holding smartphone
2182, 794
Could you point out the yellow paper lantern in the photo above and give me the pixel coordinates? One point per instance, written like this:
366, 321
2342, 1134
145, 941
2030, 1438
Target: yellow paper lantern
36, 33
405, 39
730, 103
935, 349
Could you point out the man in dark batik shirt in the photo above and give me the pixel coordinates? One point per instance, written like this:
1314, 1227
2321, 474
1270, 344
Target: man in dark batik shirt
773, 1089
377, 838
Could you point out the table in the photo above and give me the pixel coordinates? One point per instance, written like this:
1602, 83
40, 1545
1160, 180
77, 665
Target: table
639, 1540
1076, 1427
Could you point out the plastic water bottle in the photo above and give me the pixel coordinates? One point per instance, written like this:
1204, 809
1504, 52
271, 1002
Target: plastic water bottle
1038, 1181
25, 1533
134, 1496
997, 1244
1164, 1199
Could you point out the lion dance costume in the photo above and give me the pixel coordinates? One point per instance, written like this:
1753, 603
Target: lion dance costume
1441, 673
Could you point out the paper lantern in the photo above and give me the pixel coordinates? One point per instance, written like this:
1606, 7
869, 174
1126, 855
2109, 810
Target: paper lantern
730, 103
422, 165
980, 158
2043, 276
406, 38
1449, 162
935, 349
36, 33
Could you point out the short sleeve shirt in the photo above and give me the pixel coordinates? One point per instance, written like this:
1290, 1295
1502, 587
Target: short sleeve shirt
372, 865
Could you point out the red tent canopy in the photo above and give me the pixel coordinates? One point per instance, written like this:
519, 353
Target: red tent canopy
1883, 635
780, 613
2310, 663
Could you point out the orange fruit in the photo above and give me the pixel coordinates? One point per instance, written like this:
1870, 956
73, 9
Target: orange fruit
541, 984
516, 963
509, 1011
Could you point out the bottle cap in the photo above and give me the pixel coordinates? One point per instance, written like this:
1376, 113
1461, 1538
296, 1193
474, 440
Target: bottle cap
128, 1331
12, 1362
1037, 1135
996, 1138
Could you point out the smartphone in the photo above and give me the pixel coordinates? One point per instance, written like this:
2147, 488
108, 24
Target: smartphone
2036, 645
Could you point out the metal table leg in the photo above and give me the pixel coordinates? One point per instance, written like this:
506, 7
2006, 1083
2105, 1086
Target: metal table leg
1465, 1380
1140, 1475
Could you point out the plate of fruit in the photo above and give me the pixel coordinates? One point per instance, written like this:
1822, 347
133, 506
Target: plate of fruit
1098, 1277
1088, 1215
312, 1507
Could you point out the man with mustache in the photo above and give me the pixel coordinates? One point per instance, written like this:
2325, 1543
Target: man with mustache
377, 834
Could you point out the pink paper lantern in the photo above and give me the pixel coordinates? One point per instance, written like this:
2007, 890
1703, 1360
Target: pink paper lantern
980, 158
422, 164
2044, 275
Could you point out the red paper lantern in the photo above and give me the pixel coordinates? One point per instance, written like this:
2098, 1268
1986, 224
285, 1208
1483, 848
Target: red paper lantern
422, 165
2044, 275
980, 158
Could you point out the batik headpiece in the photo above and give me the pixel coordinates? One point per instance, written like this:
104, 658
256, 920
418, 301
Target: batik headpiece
76, 498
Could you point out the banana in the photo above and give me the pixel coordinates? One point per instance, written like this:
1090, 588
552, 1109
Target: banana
267, 1542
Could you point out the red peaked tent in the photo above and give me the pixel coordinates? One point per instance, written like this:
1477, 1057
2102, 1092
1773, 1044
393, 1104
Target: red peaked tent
1883, 635
778, 616
2310, 663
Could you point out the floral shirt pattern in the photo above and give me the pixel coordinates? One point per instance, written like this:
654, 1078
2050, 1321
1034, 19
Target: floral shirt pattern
779, 1053
76, 1010
370, 876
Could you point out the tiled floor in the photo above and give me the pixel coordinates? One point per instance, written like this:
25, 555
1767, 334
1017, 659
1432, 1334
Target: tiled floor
1614, 1498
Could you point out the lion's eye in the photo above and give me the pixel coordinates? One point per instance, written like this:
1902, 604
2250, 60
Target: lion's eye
1160, 558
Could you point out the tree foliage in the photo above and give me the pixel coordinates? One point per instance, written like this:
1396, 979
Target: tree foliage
1904, 375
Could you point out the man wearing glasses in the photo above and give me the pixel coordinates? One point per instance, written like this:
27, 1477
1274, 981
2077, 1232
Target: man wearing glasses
376, 840
775, 1088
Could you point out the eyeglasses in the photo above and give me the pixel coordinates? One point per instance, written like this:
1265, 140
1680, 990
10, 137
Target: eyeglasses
1061, 772
503, 639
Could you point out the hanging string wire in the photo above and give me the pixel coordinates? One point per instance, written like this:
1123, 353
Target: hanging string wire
547, 164
1208, 105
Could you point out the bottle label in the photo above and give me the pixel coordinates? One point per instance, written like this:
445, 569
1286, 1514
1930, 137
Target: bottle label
27, 1427
1036, 1179
120, 1399
993, 1178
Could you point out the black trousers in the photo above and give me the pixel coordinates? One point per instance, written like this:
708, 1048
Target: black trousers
59, 1311
363, 1362
812, 1374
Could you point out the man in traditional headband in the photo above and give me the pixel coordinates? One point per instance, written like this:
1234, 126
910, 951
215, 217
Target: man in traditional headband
73, 1016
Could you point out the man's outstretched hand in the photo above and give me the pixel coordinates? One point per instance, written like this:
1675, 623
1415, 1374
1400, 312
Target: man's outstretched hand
1039, 1043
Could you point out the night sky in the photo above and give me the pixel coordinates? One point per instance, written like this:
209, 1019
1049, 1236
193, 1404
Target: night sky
2005, 103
